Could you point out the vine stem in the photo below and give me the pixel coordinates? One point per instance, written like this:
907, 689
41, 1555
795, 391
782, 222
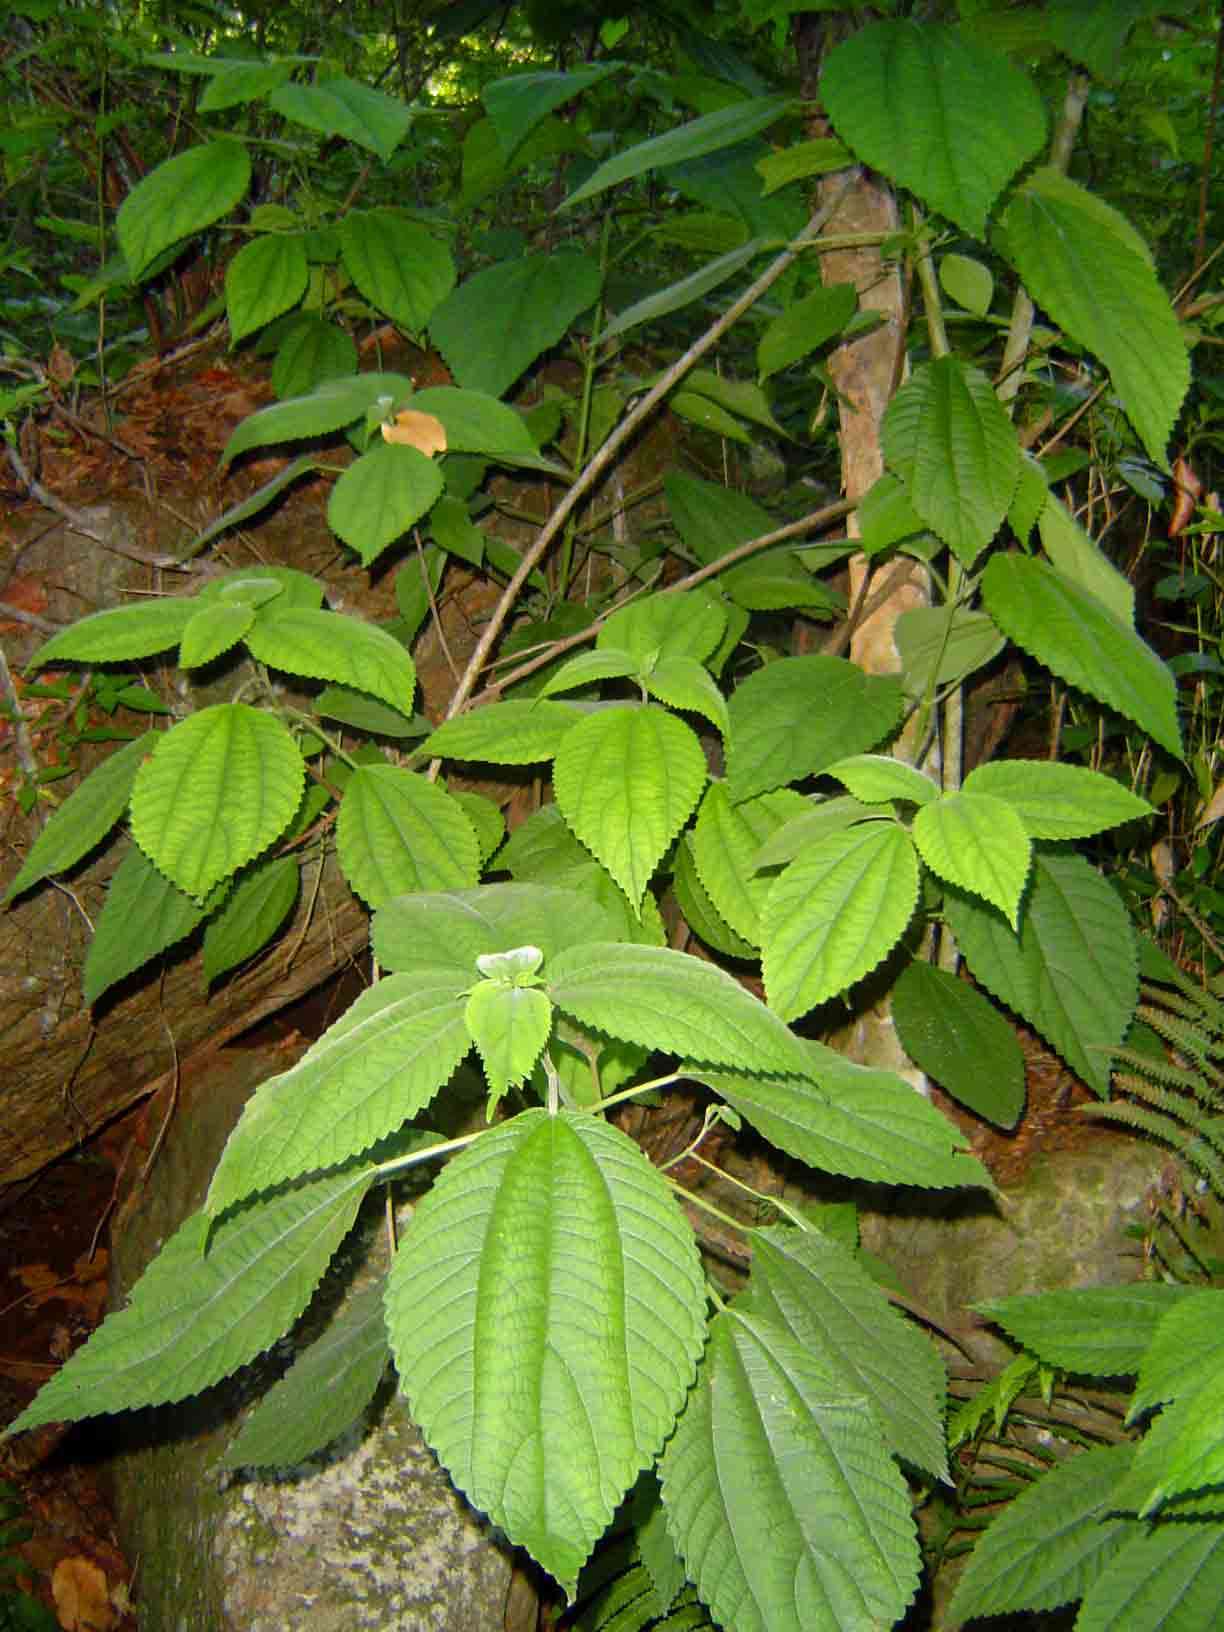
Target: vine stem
604, 456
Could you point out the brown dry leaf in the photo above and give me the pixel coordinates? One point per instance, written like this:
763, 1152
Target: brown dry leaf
1188, 491
41, 1282
82, 1597
413, 429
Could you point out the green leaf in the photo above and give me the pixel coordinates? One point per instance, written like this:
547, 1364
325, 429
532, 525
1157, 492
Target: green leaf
344, 107
259, 585
119, 636
324, 1391
509, 1025
796, 716
331, 646
1182, 1455
328, 408
497, 322
948, 437
400, 267
85, 817
180, 197
700, 913
311, 351
143, 915
253, 912
687, 624
378, 1065
367, 715
834, 913
952, 1033
804, 327
626, 780
398, 832
800, 160
1076, 556
674, 297
781, 1497
1030, 498
516, 105
380, 496
587, 669
476, 423
215, 627
817, 821
681, 682
488, 823
1071, 971
818, 1291
452, 930
708, 134
546, 1363
938, 650
878, 779
196, 1315
219, 787
1185, 1354
244, 82
1102, 1331
907, 97
978, 843
862, 1123
1093, 273
1167, 1579
969, 283
515, 733
670, 1001
1058, 801
1069, 631
1051, 1543
886, 515
725, 843
265, 278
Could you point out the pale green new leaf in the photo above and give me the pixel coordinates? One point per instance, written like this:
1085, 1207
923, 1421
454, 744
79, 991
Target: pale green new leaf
380, 496
1102, 1331
196, 1315
673, 1002
330, 407
818, 1291
799, 715
85, 817
378, 1065
1052, 1543
587, 669
805, 326
948, 437
253, 912
143, 915
1093, 273
259, 585
452, 930
877, 779
726, 841
682, 682
180, 197
1183, 1453
1079, 558
324, 1391
513, 733
834, 913
498, 321
952, 1033
626, 780
1167, 1579
398, 833
708, 134
862, 1123
1068, 630
969, 282
938, 650
215, 627
1071, 971
817, 820
688, 624
332, 647
400, 267
907, 97
344, 107
780, 1494
219, 787
509, 1025
1187, 1351
1058, 801
546, 1311
978, 843
119, 636
516, 105
265, 278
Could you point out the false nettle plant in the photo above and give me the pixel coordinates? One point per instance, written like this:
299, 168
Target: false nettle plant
546, 1310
